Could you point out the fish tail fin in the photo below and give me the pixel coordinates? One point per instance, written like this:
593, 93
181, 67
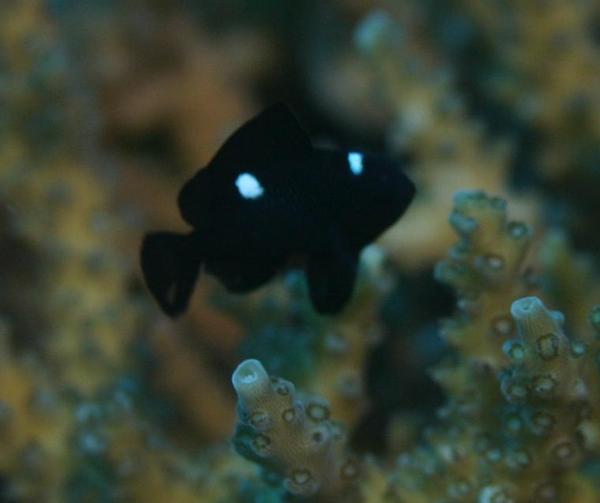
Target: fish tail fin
170, 264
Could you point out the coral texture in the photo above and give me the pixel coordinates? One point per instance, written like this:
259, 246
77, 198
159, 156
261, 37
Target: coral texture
290, 435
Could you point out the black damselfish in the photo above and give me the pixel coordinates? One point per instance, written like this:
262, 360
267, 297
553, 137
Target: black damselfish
269, 197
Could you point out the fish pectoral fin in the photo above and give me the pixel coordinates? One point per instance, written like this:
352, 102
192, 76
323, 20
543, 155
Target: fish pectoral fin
331, 280
244, 274
170, 270
272, 135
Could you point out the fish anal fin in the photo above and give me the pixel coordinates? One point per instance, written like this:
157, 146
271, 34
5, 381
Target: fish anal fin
331, 278
272, 135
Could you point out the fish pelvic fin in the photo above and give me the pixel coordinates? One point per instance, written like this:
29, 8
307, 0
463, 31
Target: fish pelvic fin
170, 265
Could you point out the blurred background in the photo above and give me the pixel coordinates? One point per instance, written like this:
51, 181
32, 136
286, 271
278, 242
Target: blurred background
107, 107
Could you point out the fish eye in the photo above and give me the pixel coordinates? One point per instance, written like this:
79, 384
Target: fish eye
355, 161
249, 186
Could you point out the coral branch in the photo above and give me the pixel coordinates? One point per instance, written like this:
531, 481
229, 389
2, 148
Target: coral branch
291, 435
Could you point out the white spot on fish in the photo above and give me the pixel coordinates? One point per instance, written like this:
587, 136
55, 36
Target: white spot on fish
355, 160
249, 186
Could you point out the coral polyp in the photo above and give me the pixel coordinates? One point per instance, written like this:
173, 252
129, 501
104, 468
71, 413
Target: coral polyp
291, 435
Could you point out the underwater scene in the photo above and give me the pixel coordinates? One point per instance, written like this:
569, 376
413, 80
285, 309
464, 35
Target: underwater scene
262, 251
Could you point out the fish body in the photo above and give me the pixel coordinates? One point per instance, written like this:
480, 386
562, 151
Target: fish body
269, 196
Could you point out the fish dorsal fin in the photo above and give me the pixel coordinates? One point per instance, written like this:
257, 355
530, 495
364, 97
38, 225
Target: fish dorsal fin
272, 135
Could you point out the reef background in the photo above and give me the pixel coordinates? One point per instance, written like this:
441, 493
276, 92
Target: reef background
452, 376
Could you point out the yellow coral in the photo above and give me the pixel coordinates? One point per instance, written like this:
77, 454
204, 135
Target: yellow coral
291, 435
450, 151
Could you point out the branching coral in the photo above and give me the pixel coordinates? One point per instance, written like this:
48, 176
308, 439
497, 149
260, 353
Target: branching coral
522, 399
197, 98
450, 150
327, 357
60, 206
548, 71
291, 435
99, 403
516, 434
539, 62
569, 278
487, 271
521, 394
34, 420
